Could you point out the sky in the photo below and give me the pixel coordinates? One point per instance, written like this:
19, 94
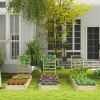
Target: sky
90, 1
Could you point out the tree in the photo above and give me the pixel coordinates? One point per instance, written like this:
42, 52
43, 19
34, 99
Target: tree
58, 12
32, 10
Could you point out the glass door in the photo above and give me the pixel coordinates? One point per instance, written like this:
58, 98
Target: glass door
93, 43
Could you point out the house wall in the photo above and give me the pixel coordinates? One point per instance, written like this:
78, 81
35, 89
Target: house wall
92, 18
27, 32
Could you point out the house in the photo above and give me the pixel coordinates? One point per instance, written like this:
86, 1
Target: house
15, 32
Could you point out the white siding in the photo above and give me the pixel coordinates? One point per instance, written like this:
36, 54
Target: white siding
92, 18
27, 33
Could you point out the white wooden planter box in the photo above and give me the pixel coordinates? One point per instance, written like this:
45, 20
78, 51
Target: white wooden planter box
88, 87
49, 87
18, 87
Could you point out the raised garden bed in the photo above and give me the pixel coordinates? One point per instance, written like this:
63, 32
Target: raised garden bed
49, 82
18, 82
83, 87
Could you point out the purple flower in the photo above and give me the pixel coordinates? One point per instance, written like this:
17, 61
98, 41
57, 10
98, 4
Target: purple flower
49, 80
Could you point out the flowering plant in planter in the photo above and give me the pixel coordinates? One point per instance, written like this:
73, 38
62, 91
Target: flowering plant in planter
49, 79
19, 79
16, 82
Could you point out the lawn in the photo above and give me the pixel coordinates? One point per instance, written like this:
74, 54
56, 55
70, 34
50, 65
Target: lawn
67, 91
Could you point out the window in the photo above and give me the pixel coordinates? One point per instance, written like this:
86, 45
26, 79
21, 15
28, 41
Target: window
14, 36
74, 37
2, 4
3, 33
93, 42
77, 33
54, 37
69, 37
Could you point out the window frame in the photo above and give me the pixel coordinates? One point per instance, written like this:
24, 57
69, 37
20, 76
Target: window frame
5, 4
73, 40
14, 41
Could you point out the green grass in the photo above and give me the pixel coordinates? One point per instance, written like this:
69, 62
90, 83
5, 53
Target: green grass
67, 91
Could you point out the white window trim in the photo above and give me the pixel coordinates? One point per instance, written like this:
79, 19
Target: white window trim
9, 60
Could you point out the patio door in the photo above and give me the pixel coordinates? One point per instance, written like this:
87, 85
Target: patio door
93, 43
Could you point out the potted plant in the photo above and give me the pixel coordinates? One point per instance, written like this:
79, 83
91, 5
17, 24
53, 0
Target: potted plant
1, 63
35, 52
64, 46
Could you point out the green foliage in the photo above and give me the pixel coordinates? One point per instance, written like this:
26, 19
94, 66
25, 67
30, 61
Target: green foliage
24, 60
62, 12
84, 81
35, 52
35, 10
97, 72
60, 67
66, 10
66, 92
32, 10
64, 45
49, 58
1, 58
78, 72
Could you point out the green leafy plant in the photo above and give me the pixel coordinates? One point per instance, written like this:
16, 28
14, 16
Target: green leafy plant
34, 51
24, 60
60, 67
97, 73
49, 58
84, 81
78, 72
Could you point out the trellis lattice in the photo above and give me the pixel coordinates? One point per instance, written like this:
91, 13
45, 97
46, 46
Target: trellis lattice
49, 64
76, 61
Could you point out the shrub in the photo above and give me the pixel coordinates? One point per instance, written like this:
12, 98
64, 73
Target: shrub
35, 52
